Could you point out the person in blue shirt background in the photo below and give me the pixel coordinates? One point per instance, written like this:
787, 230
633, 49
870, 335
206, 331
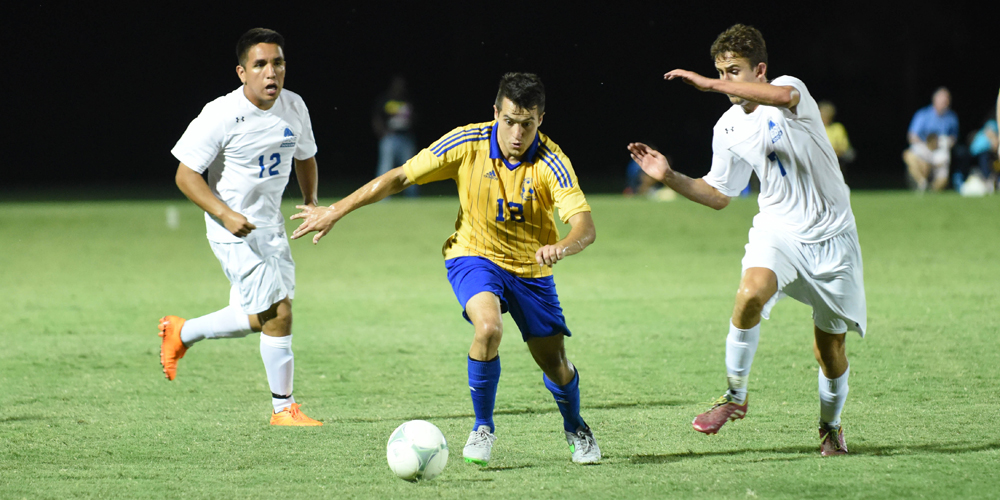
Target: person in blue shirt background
924, 164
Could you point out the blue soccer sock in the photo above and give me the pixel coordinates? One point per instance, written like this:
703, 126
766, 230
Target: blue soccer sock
568, 399
484, 376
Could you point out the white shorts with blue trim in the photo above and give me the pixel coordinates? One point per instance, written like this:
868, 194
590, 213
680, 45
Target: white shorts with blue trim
829, 276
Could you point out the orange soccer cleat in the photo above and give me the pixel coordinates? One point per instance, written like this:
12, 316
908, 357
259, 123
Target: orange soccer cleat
171, 349
293, 416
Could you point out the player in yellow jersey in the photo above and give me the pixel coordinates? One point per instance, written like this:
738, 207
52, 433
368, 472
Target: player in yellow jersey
510, 180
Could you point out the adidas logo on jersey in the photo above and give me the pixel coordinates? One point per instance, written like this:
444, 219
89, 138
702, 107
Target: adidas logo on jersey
289, 139
491, 175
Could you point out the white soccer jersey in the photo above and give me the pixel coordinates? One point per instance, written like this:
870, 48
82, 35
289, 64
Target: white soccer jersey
802, 191
248, 154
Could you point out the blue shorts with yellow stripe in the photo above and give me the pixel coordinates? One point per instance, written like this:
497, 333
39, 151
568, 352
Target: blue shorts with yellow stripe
532, 302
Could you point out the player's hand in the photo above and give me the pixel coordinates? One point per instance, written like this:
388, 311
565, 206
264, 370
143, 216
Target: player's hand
237, 224
651, 161
549, 255
319, 219
691, 78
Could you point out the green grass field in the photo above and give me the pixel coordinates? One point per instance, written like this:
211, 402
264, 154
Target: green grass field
86, 412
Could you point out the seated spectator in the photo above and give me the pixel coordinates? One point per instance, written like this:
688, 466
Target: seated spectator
638, 183
837, 134
983, 150
927, 165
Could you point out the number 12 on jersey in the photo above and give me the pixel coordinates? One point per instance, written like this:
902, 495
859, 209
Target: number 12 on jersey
273, 169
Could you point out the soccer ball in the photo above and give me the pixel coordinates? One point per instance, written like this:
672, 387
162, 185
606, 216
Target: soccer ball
416, 450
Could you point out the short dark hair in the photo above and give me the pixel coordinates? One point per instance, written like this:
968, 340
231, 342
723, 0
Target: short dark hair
253, 37
741, 41
525, 90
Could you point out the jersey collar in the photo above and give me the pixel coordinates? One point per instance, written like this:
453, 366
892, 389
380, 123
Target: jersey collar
245, 102
496, 154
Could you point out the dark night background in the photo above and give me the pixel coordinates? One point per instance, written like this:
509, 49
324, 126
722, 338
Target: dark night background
97, 94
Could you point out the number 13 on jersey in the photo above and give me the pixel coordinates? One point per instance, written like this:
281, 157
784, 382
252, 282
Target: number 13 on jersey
516, 211
271, 170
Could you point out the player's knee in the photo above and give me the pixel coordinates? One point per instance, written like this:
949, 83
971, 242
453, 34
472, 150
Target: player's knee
489, 331
750, 300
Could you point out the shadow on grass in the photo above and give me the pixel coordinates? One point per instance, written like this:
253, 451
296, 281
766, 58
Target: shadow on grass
20, 418
506, 468
808, 452
797, 453
945, 448
523, 411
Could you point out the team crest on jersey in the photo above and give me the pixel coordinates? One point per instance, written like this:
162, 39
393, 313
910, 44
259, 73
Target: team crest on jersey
775, 131
527, 191
289, 139
491, 175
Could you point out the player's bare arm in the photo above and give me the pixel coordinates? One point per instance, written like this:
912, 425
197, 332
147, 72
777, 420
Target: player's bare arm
753, 91
307, 172
656, 166
322, 219
580, 236
193, 185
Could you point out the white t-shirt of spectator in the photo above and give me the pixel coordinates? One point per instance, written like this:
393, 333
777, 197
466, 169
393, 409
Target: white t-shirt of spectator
802, 191
248, 154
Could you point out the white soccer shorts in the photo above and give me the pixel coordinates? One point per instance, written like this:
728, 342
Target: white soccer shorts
829, 276
260, 269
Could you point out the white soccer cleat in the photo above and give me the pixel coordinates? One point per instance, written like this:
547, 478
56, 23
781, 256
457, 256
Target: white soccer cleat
583, 446
478, 447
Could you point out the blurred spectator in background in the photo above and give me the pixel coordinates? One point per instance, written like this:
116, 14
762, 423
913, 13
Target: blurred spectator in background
925, 164
638, 183
983, 149
392, 121
837, 134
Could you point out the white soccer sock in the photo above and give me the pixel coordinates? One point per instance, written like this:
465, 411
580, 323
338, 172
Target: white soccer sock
279, 363
224, 323
741, 345
832, 395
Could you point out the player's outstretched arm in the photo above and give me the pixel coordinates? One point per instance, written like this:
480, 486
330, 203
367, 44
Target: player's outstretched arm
322, 219
759, 92
580, 236
193, 185
307, 172
656, 166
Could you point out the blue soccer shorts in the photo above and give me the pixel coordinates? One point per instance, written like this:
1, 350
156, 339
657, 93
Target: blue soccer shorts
532, 302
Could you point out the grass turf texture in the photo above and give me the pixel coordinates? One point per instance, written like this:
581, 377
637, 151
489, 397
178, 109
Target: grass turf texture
86, 412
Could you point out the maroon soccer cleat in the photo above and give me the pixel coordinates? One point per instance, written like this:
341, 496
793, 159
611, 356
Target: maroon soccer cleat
723, 410
832, 441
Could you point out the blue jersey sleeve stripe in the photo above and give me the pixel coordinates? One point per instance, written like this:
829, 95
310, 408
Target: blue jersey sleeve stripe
554, 169
565, 180
445, 146
448, 138
437, 149
562, 167
470, 139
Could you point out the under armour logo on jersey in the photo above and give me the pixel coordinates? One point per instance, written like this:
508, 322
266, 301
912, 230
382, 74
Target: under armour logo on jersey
239, 119
729, 129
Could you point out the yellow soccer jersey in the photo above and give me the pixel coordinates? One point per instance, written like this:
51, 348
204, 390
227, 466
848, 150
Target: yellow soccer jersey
506, 211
